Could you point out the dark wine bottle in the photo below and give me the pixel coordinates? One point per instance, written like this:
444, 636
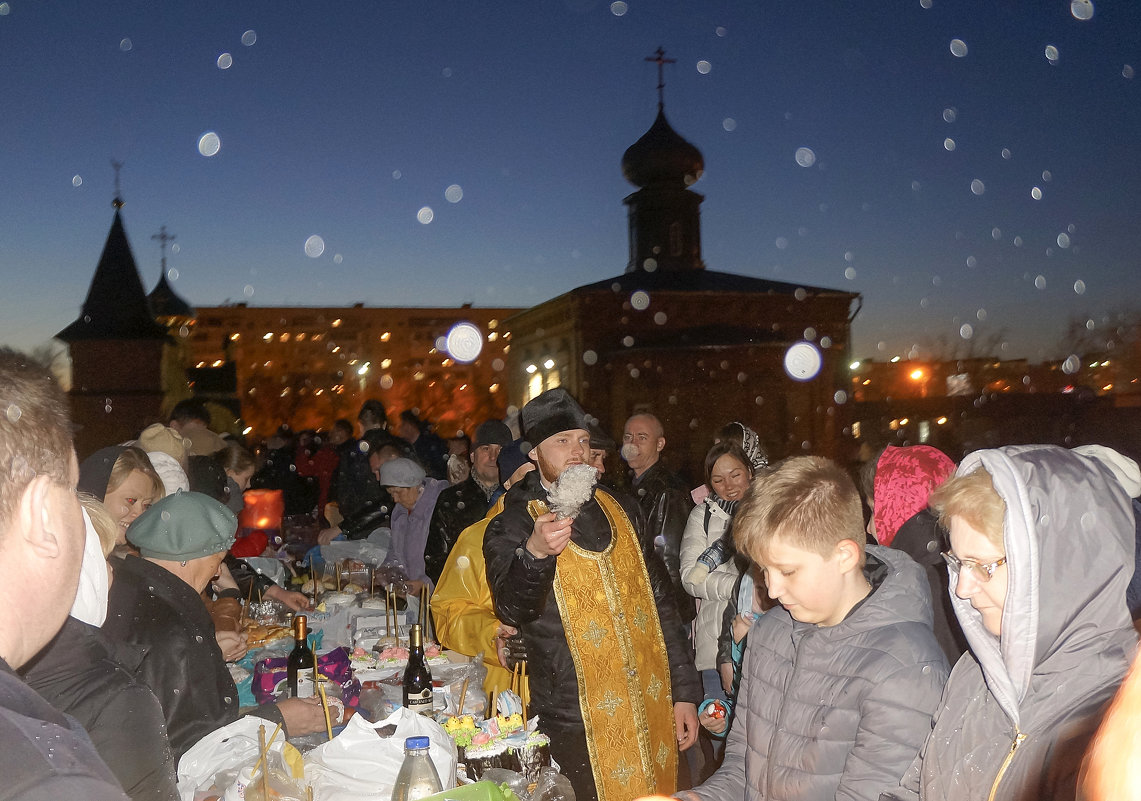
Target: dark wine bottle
417, 676
300, 658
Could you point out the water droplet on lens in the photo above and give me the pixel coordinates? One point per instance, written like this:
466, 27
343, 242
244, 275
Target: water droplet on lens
949, 115
840, 397
781, 243
966, 331
165, 515
225, 61
1082, 9
640, 300
800, 294
77, 180
125, 44
1063, 240
13, 413
660, 318
729, 124
386, 382
314, 246
1006, 153
1127, 72
1052, 54
209, 144
454, 193
1047, 176
1036, 193
248, 38
850, 273
1040, 282
1087, 521
805, 157
589, 357
925, 3
618, 8
981, 314
248, 291
958, 48
704, 67
978, 187
425, 215
948, 144
972, 261
628, 341
1079, 287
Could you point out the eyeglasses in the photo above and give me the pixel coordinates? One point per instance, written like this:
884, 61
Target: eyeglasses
982, 572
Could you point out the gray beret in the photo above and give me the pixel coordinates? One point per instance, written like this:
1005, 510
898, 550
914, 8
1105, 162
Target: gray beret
184, 526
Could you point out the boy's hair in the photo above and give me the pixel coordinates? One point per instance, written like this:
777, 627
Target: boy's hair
725, 448
131, 459
345, 426
35, 431
807, 501
235, 459
973, 498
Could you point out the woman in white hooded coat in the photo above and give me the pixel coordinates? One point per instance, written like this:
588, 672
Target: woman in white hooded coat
1041, 598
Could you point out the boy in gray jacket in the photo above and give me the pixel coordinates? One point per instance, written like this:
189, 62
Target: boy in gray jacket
840, 681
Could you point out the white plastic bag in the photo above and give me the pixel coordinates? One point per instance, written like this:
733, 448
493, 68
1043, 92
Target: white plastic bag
361, 765
227, 749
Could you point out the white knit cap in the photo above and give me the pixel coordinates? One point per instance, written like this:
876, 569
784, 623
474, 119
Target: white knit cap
170, 471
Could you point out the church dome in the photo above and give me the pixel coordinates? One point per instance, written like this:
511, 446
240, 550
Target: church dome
662, 156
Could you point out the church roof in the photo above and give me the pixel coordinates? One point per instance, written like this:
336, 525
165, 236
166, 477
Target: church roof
662, 156
702, 281
116, 306
165, 302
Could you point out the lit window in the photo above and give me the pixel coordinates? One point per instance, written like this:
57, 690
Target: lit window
493, 388
284, 336
337, 349
384, 337
337, 323
385, 364
418, 375
531, 368
217, 363
942, 421
463, 387
549, 363
268, 337
201, 364
492, 336
235, 337
492, 324
300, 337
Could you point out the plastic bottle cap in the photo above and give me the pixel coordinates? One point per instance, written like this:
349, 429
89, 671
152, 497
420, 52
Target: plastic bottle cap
417, 742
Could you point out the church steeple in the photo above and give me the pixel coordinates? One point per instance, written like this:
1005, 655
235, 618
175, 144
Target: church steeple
166, 304
116, 306
664, 215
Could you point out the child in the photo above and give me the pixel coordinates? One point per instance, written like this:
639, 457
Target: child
840, 681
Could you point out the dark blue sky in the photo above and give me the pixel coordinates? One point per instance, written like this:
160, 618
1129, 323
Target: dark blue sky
344, 120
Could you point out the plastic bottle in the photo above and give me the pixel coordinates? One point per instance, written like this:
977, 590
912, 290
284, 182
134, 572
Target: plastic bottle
417, 777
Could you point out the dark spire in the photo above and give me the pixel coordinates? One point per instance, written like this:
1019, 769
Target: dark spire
165, 302
664, 214
116, 306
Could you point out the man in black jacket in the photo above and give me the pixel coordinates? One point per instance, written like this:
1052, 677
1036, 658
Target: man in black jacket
612, 680
664, 499
44, 755
467, 502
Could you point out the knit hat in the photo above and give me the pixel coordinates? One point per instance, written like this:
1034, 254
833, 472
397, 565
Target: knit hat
157, 438
95, 472
183, 526
203, 441
491, 432
548, 414
170, 471
401, 473
905, 479
511, 458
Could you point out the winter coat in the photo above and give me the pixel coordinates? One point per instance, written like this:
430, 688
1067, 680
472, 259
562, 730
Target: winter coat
666, 506
522, 588
410, 531
153, 609
706, 525
84, 675
923, 540
457, 507
46, 755
836, 712
1019, 710
362, 502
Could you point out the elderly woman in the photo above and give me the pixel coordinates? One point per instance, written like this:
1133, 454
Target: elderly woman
414, 496
1041, 553
156, 604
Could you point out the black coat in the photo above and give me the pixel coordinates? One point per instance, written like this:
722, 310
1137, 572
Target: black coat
45, 755
82, 674
457, 508
921, 538
364, 504
521, 587
153, 609
666, 504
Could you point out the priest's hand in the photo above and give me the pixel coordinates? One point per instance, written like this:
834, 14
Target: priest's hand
685, 724
549, 536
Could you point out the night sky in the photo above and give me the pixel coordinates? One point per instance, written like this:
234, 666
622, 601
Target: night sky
350, 121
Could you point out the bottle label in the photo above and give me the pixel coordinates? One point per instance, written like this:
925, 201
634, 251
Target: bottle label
420, 702
305, 688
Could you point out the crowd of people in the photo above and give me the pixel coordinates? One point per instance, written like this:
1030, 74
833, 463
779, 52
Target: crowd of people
789, 629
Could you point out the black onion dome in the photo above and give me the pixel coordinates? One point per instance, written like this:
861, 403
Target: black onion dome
662, 156
165, 302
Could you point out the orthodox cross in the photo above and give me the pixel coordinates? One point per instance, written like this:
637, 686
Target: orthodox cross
660, 59
118, 201
162, 237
